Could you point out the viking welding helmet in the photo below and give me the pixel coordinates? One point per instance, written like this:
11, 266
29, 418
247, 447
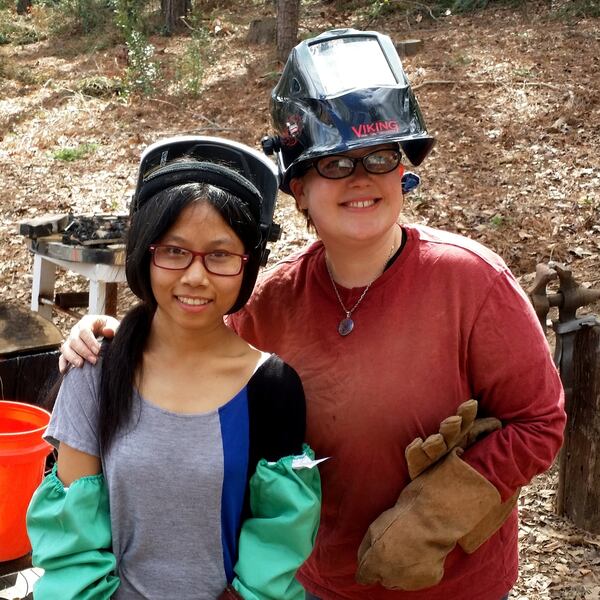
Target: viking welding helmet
342, 90
230, 166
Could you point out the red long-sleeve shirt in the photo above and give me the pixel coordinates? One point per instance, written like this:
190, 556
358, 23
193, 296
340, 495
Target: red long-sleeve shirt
444, 323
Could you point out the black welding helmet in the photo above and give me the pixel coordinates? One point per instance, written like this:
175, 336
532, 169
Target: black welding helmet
342, 90
228, 165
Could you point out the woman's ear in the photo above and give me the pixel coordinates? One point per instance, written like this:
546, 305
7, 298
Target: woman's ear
297, 188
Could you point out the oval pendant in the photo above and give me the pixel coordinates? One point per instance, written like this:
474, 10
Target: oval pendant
346, 326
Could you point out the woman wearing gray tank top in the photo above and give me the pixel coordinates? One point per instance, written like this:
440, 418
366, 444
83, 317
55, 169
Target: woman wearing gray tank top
167, 445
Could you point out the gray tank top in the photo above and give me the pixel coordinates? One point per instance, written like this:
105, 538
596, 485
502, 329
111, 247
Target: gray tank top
165, 478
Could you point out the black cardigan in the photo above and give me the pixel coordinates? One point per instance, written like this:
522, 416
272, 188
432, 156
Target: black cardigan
277, 413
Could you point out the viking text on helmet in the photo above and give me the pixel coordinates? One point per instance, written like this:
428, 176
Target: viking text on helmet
365, 129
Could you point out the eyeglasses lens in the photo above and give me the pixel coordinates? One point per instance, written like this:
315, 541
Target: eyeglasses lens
381, 162
335, 167
218, 263
223, 263
378, 163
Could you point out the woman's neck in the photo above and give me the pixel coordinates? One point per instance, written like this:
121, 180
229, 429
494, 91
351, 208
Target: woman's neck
184, 343
197, 371
358, 265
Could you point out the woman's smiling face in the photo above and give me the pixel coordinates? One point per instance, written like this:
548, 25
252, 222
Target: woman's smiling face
361, 207
193, 297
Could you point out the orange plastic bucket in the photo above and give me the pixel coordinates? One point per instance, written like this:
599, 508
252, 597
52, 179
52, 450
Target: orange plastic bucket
22, 459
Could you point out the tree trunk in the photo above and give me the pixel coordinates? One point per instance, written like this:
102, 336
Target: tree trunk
288, 12
23, 6
580, 460
173, 11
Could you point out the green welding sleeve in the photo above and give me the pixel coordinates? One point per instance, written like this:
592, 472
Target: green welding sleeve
285, 503
71, 539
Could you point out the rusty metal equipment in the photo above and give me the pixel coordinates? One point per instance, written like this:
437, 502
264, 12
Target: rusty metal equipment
577, 357
569, 297
90, 245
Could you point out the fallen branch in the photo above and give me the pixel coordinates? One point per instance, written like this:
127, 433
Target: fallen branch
214, 123
164, 102
542, 84
434, 82
183, 20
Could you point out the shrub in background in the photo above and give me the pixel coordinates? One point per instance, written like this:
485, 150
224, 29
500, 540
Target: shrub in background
191, 65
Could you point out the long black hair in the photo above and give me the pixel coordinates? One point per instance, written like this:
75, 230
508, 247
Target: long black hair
149, 222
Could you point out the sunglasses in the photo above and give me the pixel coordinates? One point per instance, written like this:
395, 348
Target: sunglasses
219, 262
377, 162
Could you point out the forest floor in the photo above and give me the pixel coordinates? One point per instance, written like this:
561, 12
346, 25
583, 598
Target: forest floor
512, 95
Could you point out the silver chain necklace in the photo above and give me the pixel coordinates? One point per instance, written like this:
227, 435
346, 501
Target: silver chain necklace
346, 325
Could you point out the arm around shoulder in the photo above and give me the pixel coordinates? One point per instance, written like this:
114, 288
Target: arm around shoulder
82, 345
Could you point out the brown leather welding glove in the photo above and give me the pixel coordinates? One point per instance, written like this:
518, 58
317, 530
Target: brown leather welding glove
460, 430
488, 526
406, 546
229, 593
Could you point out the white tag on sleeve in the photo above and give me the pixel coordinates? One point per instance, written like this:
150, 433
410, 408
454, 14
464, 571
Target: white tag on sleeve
304, 462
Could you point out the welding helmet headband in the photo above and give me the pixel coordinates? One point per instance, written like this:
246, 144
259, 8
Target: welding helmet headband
342, 90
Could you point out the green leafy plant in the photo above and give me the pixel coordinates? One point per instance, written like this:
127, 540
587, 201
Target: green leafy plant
27, 35
128, 16
23, 75
191, 65
142, 71
379, 8
89, 13
579, 9
71, 153
497, 220
77, 17
16, 30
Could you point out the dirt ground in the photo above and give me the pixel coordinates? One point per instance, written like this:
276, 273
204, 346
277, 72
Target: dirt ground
512, 95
